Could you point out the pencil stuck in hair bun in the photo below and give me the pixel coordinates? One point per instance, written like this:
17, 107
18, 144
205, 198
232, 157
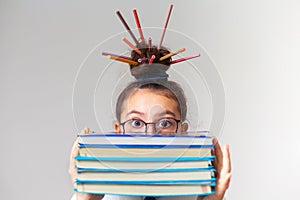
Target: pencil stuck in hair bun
147, 62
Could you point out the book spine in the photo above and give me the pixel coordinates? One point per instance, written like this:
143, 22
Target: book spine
83, 169
82, 145
210, 182
145, 159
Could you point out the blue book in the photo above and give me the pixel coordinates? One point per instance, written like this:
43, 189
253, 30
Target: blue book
133, 170
145, 159
143, 175
146, 164
113, 139
144, 151
210, 182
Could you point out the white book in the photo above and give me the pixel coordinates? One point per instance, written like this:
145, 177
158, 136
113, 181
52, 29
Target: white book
113, 139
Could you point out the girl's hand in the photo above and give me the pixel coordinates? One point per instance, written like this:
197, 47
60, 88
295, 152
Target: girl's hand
223, 173
73, 171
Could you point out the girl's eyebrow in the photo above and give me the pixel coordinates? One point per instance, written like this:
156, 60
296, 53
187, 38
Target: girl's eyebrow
135, 112
167, 112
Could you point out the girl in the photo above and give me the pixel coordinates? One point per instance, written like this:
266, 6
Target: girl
156, 107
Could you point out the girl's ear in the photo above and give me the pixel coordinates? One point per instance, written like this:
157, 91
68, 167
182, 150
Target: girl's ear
117, 127
184, 127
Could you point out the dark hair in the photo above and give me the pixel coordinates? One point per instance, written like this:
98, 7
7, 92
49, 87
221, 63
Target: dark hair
148, 52
170, 89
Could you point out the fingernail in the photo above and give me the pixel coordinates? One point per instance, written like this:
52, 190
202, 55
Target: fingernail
215, 140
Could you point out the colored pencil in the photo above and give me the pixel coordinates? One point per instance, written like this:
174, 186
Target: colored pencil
149, 44
165, 27
142, 59
131, 62
136, 17
184, 59
111, 54
172, 54
131, 45
127, 27
152, 59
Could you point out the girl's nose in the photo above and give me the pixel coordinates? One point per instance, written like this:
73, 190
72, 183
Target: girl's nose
151, 129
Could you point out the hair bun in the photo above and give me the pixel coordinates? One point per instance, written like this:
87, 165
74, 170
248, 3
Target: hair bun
150, 72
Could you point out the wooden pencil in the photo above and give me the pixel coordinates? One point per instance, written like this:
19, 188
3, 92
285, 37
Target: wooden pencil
127, 27
131, 45
165, 27
136, 17
151, 59
149, 44
172, 54
111, 54
131, 62
184, 59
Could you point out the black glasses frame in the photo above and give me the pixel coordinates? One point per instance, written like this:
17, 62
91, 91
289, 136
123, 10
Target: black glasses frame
146, 123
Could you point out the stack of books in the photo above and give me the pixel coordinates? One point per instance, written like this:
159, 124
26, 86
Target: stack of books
145, 165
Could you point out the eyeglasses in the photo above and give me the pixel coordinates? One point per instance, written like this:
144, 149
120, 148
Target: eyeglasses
164, 125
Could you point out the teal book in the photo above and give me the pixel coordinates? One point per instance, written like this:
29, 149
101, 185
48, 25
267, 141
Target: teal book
140, 189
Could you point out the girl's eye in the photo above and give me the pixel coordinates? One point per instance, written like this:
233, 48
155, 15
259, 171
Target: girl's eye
137, 123
164, 123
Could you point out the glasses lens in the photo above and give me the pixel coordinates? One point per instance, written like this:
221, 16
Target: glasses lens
166, 125
135, 126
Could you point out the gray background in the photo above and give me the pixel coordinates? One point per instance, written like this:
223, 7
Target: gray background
254, 44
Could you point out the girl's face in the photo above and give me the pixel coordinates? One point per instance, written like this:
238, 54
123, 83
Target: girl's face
148, 106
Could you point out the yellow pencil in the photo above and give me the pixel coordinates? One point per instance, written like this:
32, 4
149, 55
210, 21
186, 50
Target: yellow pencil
172, 54
131, 62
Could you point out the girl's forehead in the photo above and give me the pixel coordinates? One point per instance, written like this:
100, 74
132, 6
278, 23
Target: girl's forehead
151, 96
151, 103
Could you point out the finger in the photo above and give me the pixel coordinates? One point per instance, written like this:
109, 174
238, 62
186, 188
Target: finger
86, 130
75, 150
226, 159
219, 155
227, 180
214, 162
74, 153
221, 187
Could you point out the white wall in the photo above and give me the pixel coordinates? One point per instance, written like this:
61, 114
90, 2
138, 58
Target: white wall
254, 44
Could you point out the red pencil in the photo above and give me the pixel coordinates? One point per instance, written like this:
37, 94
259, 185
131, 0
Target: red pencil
165, 27
127, 27
184, 59
136, 17
151, 59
